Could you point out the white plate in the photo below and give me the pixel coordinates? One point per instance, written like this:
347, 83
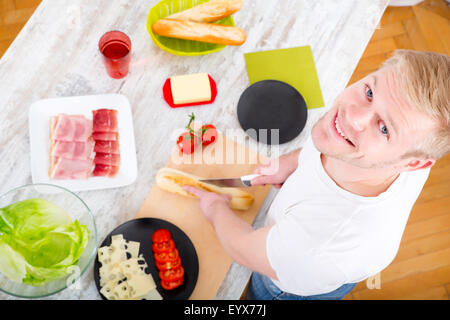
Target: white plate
39, 117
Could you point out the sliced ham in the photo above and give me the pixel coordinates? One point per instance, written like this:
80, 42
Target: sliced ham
108, 159
104, 120
72, 149
102, 146
70, 169
70, 128
102, 170
105, 136
74, 138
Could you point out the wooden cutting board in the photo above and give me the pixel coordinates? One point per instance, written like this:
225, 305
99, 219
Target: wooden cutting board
223, 159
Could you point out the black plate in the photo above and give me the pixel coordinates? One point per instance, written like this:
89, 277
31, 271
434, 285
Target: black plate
141, 230
272, 104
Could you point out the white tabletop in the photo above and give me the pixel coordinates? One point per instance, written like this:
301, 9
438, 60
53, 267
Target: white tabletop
56, 55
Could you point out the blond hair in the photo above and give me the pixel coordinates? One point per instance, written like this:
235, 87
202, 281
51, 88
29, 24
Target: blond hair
425, 78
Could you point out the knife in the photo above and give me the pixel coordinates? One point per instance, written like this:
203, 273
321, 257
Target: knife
244, 181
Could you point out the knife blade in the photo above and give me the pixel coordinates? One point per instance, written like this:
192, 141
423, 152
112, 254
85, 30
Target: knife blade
244, 181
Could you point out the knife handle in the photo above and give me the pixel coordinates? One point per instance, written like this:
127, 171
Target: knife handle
247, 179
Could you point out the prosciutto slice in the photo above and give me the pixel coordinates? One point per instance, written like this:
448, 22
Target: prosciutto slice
108, 159
72, 149
70, 128
102, 170
70, 169
102, 146
104, 120
105, 136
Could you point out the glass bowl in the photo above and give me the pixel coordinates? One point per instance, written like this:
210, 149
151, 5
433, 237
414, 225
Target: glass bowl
181, 47
77, 210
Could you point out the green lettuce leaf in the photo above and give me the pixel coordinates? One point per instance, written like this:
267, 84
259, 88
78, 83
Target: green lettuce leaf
39, 242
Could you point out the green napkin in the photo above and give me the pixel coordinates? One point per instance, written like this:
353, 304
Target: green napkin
294, 66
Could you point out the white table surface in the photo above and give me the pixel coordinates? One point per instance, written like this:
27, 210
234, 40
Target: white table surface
56, 55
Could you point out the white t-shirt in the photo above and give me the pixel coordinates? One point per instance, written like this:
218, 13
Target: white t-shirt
324, 236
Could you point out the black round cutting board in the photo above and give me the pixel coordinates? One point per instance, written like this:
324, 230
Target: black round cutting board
141, 230
272, 104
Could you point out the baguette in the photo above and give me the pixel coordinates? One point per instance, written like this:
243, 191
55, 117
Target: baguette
173, 180
209, 11
199, 31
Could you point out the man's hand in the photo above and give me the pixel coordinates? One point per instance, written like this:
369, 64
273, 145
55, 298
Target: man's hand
277, 170
244, 244
208, 200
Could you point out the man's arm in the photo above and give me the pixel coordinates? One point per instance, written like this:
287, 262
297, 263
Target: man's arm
244, 244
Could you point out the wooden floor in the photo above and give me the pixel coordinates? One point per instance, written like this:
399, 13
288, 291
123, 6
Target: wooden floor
13, 16
421, 269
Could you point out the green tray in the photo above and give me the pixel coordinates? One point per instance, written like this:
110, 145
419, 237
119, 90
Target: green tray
181, 47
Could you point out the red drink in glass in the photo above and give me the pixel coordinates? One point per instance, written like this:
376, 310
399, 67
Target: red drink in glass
115, 47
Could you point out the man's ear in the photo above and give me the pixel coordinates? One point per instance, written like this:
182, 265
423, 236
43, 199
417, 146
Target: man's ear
418, 164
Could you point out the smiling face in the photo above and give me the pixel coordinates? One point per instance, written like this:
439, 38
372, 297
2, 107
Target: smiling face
372, 125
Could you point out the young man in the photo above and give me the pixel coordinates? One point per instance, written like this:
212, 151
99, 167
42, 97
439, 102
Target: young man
346, 196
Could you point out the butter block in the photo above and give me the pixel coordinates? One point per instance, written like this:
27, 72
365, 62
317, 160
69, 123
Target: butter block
190, 88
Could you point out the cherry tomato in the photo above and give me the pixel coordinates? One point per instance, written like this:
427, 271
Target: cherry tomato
171, 274
209, 134
166, 246
169, 285
187, 142
161, 235
169, 264
167, 256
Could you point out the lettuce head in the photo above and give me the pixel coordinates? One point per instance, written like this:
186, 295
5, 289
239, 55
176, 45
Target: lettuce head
39, 242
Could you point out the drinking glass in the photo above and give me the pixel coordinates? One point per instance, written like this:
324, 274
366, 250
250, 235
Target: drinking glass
115, 47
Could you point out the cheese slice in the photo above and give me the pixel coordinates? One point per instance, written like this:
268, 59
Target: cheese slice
133, 249
151, 295
104, 255
140, 285
132, 267
118, 252
190, 88
122, 291
122, 274
108, 293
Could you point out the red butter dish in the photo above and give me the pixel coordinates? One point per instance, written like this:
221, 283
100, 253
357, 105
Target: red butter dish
167, 93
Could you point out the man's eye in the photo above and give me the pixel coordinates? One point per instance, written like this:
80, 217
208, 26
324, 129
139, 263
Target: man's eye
369, 93
383, 129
